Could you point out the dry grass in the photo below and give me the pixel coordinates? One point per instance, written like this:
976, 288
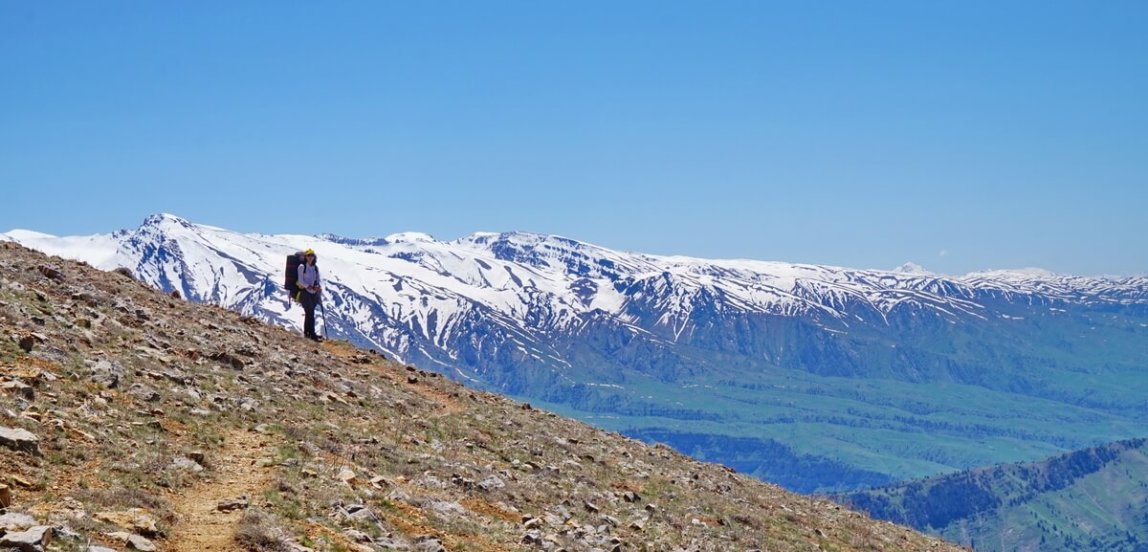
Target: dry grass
259, 531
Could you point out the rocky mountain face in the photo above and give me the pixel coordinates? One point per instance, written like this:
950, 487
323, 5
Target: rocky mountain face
773, 368
132, 419
1094, 499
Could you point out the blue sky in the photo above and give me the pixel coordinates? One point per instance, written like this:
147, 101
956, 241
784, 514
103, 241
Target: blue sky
959, 135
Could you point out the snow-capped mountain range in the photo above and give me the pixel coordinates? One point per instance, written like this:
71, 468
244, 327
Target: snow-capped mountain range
422, 300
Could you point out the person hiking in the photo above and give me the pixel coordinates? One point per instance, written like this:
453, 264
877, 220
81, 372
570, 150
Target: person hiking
309, 291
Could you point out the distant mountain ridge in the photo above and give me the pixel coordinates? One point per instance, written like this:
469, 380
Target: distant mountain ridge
1094, 499
800, 360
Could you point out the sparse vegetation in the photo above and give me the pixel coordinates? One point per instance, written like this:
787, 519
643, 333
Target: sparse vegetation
259, 532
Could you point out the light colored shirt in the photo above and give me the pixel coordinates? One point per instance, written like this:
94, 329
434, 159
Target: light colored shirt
308, 277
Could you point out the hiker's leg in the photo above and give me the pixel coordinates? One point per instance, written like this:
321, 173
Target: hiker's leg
309, 314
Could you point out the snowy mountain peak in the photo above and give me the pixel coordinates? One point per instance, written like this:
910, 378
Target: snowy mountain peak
911, 268
522, 240
166, 219
335, 238
409, 237
19, 235
1014, 274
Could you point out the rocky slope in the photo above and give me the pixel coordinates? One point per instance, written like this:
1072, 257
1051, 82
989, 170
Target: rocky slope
132, 419
814, 377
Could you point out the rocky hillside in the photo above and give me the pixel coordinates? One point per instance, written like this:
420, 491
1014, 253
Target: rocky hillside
131, 419
1092, 500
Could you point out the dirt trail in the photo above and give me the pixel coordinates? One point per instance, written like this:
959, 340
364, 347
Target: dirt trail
238, 471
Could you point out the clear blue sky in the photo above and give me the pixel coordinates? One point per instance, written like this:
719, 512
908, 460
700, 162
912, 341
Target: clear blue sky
962, 135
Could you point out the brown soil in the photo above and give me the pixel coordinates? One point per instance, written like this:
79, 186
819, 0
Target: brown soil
238, 471
483, 507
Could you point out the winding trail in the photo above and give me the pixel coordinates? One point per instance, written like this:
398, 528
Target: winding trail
238, 471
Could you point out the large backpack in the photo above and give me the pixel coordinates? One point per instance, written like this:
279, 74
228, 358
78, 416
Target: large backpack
291, 274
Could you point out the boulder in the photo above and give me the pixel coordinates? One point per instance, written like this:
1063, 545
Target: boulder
185, 463
135, 542
107, 373
26, 342
346, 475
16, 522
19, 439
362, 513
140, 543
428, 543
135, 519
32, 540
233, 504
19, 389
491, 483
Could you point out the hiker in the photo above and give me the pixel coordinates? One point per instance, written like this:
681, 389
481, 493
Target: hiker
308, 284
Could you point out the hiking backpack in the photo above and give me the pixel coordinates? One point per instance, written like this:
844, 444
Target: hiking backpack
291, 274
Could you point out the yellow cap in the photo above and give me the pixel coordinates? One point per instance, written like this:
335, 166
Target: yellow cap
309, 252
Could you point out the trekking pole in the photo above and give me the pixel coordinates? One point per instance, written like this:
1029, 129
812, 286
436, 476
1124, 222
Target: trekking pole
323, 311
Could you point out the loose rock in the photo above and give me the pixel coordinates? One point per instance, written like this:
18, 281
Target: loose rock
16, 522
136, 520
20, 440
491, 483
26, 343
346, 475
185, 463
32, 540
135, 542
140, 543
107, 374
19, 389
240, 503
429, 544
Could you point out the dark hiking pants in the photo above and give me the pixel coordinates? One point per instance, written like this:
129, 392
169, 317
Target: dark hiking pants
309, 302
